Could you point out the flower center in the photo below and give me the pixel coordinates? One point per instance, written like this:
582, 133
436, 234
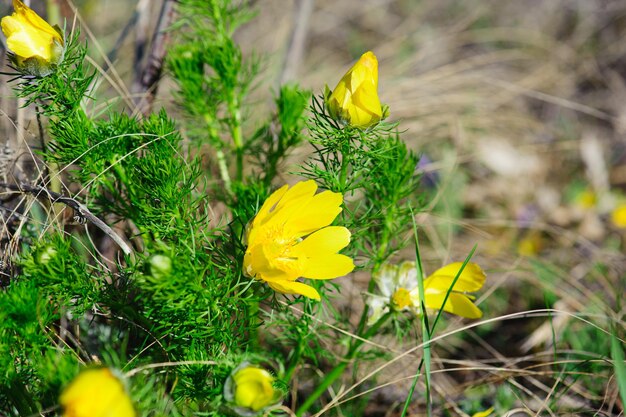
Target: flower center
401, 298
277, 252
277, 244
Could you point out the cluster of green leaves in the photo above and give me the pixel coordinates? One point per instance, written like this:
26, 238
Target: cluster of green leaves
181, 296
64, 92
55, 284
213, 78
374, 169
214, 81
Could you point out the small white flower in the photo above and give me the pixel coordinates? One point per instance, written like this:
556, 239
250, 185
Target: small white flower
398, 289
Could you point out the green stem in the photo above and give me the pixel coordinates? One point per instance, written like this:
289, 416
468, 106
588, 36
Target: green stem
426, 329
338, 370
53, 12
221, 163
254, 324
294, 361
239, 164
335, 373
343, 174
237, 134
380, 257
214, 138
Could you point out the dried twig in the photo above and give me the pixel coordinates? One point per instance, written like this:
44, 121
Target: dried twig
142, 21
147, 81
294, 54
112, 55
82, 213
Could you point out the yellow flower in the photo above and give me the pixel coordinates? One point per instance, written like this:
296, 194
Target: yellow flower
586, 199
618, 216
530, 245
251, 389
35, 43
399, 290
355, 99
96, 392
290, 237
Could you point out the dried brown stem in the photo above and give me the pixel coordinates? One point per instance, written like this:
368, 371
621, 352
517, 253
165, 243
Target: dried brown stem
293, 56
82, 213
146, 83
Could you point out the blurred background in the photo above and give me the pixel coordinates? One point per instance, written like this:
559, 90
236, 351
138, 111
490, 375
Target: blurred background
519, 111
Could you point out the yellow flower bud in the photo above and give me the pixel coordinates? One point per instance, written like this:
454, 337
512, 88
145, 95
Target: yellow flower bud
618, 216
587, 199
251, 389
160, 266
355, 99
46, 255
36, 45
96, 392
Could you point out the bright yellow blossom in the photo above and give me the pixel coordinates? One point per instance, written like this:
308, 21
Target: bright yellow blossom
586, 199
290, 237
355, 99
35, 44
250, 389
618, 216
96, 392
530, 245
398, 287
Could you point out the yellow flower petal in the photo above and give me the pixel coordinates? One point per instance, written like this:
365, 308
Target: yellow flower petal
366, 69
341, 97
319, 249
295, 196
10, 24
459, 304
485, 413
618, 216
325, 241
291, 201
294, 287
319, 212
33, 19
471, 279
270, 204
96, 393
27, 44
366, 99
328, 267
